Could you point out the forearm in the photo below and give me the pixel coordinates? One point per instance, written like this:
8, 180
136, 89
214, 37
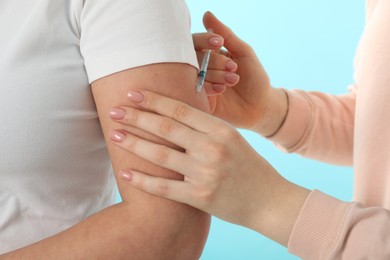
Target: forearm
279, 205
178, 233
274, 114
278, 222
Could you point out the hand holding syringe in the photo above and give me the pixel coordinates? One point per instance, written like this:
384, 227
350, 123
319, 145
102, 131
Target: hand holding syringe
203, 71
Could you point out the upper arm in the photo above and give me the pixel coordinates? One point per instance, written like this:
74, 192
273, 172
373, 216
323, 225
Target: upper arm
130, 45
173, 222
174, 80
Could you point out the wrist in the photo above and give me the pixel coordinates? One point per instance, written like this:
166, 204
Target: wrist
276, 219
274, 114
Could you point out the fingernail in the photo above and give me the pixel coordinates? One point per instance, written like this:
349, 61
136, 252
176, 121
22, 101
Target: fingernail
218, 87
125, 175
232, 77
117, 113
231, 65
135, 96
216, 41
117, 136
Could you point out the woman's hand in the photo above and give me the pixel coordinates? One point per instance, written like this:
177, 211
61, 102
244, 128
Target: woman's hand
223, 175
252, 103
221, 70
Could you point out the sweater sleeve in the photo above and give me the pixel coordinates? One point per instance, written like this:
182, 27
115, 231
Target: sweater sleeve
328, 228
319, 126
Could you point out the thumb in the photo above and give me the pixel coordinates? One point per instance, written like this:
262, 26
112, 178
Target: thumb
233, 44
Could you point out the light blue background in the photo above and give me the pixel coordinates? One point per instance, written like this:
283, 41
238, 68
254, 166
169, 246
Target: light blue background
306, 44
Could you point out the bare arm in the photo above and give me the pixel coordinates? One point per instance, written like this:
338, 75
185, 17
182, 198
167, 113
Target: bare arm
142, 226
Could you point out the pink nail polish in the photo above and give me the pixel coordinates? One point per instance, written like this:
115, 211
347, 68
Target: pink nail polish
232, 77
231, 66
218, 87
125, 175
117, 136
135, 96
216, 41
117, 113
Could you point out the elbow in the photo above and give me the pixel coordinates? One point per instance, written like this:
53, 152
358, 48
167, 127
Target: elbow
190, 235
164, 229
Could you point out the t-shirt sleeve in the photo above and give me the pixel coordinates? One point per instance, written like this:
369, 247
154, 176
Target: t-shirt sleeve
123, 34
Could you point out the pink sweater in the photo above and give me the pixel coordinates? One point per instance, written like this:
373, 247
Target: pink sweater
351, 129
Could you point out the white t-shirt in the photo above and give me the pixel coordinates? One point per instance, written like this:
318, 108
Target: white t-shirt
54, 167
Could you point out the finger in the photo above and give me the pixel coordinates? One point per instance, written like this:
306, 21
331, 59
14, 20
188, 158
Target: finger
219, 62
161, 126
234, 44
176, 110
214, 89
162, 187
222, 77
157, 154
208, 40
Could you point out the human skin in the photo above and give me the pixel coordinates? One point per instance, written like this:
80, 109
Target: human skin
179, 227
327, 227
252, 103
223, 175
221, 159
221, 71
141, 226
